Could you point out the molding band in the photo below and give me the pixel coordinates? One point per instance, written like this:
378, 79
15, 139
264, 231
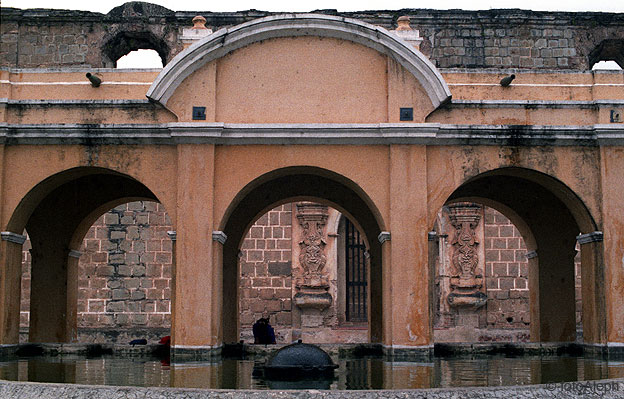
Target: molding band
383, 236
594, 236
309, 134
173, 235
531, 255
13, 237
219, 236
75, 254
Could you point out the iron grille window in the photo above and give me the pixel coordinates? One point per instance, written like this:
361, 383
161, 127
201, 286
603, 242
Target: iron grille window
356, 275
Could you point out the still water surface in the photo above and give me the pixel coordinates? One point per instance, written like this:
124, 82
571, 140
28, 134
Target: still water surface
352, 374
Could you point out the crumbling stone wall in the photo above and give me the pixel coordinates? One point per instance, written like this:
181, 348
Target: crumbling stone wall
451, 38
124, 272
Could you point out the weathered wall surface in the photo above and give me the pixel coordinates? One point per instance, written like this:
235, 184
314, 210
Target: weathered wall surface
452, 38
124, 278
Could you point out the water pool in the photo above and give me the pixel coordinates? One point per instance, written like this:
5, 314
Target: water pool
352, 374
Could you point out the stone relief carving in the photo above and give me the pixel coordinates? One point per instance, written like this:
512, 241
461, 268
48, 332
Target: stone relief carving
465, 282
311, 282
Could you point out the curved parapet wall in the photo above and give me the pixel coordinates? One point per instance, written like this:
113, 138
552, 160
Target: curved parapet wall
225, 41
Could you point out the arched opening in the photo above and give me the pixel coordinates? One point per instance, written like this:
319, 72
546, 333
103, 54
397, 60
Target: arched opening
144, 58
549, 217
608, 50
126, 42
312, 190
271, 269
124, 277
58, 215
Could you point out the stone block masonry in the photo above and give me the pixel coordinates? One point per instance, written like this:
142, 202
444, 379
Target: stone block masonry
124, 271
507, 271
451, 38
266, 273
507, 275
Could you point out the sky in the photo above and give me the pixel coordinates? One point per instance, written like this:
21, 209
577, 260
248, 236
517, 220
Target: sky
104, 6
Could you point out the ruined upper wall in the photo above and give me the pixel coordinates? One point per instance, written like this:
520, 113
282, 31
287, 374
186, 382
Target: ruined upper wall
452, 38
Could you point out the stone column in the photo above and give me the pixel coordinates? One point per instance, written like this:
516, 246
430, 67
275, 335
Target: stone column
71, 317
311, 280
10, 286
461, 263
406, 293
593, 288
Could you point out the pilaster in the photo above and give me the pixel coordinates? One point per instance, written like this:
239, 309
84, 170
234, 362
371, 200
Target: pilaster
408, 267
197, 317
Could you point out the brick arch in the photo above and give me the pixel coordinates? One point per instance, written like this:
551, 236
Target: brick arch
225, 41
295, 184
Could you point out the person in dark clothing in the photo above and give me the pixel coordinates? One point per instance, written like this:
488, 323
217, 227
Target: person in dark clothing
263, 332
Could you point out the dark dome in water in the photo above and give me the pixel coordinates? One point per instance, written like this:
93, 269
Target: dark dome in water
299, 361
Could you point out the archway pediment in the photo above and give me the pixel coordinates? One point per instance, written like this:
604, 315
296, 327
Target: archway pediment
346, 44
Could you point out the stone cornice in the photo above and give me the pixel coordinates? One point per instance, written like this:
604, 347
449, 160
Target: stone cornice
312, 134
13, 237
219, 237
594, 236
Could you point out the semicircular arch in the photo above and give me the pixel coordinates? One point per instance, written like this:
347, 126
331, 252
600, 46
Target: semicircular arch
225, 41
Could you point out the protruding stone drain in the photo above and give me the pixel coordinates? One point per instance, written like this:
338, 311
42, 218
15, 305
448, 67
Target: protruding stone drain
299, 361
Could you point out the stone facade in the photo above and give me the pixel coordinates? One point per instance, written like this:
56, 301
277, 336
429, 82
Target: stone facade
451, 38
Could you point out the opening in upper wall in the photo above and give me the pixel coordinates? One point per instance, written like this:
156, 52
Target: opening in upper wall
610, 51
606, 65
130, 43
140, 59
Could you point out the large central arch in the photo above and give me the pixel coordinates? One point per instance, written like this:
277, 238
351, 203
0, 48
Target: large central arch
292, 184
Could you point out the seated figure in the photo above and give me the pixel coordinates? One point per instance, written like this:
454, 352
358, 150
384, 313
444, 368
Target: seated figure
263, 332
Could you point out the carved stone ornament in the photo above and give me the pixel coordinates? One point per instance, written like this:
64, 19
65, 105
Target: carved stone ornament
312, 284
465, 283
312, 259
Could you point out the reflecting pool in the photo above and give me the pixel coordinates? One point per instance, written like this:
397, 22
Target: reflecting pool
352, 374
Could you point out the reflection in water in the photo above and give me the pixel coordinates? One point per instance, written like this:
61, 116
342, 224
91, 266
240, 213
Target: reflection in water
352, 374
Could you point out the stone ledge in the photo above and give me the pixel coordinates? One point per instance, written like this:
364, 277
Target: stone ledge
10, 389
311, 134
